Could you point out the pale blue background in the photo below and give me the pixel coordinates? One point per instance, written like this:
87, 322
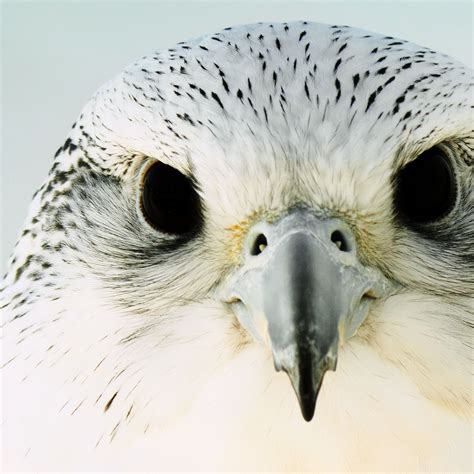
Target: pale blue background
56, 54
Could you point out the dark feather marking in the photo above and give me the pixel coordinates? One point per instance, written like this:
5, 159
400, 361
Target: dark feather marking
217, 99
325, 110
355, 80
338, 87
77, 407
109, 403
7, 362
226, 86
342, 48
306, 90
114, 431
371, 100
352, 118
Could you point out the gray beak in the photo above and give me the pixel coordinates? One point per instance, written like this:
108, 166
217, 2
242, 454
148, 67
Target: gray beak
303, 322
301, 281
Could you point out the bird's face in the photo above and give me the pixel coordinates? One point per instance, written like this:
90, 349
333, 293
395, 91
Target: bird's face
315, 184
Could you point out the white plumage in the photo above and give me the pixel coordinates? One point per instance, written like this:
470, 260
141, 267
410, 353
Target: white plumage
118, 350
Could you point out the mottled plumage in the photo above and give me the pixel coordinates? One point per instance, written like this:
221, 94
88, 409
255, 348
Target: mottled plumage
118, 350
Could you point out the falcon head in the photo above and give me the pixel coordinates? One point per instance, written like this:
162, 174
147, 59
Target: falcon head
292, 195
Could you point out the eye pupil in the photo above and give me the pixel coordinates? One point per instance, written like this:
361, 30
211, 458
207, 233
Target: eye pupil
426, 187
169, 201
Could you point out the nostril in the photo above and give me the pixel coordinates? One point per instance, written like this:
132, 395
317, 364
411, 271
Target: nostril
340, 241
259, 245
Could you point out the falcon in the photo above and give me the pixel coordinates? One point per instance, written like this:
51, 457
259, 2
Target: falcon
254, 251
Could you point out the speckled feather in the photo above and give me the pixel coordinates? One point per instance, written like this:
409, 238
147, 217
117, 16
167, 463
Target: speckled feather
142, 363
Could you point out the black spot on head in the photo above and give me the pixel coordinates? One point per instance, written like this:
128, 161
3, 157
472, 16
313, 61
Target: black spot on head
400, 99
306, 90
371, 100
342, 48
217, 99
338, 87
355, 80
226, 86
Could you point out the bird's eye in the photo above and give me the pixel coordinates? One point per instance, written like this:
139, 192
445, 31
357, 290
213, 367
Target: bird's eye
425, 189
169, 201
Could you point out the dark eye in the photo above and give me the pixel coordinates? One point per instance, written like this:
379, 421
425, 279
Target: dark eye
169, 201
426, 187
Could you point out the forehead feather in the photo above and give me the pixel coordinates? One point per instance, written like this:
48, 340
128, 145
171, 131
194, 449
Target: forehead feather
274, 94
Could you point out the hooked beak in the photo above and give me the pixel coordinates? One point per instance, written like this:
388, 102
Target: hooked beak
303, 319
308, 289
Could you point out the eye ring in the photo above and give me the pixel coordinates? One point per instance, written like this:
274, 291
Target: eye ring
426, 188
168, 200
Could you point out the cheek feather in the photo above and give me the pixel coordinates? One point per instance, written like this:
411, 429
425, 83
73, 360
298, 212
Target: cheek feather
428, 338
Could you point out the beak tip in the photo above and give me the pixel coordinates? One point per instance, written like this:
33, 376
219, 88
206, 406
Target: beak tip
308, 409
307, 403
307, 396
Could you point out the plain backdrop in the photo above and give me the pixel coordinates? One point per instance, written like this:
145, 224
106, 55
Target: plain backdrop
56, 54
